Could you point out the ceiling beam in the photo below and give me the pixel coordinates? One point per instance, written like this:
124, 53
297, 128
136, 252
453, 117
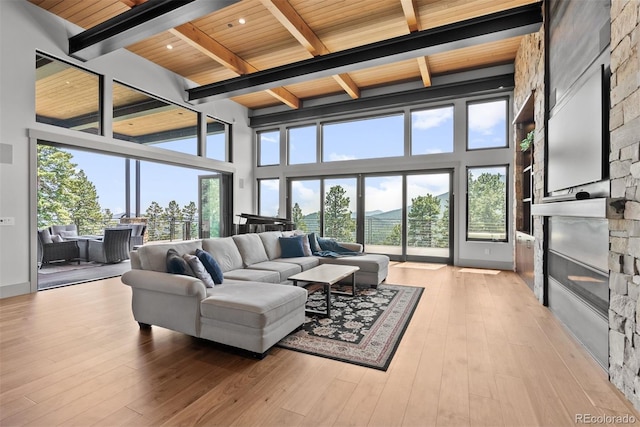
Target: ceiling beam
425, 73
289, 18
409, 8
197, 38
410, 14
509, 23
293, 22
200, 40
140, 22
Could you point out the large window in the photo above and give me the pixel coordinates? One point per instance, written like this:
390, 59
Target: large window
143, 119
432, 131
216, 144
487, 124
67, 96
269, 196
340, 199
269, 148
166, 197
363, 139
487, 203
302, 145
305, 204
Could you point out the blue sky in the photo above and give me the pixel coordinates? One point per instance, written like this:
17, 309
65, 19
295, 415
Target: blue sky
160, 183
431, 132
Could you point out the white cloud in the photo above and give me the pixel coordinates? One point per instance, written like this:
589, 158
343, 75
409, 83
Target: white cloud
483, 117
271, 184
431, 118
334, 157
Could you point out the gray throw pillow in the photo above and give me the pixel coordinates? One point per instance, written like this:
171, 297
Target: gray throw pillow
199, 270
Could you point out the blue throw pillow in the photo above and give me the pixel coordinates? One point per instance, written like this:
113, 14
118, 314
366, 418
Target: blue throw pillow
211, 265
178, 265
292, 246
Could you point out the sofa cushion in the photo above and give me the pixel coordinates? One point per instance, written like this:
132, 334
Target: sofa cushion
225, 252
285, 269
178, 265
66, 234
271, 243
199, 270
45, 236
369, 262
56, 238
251, 248
211, 265
291, 246
253, 275
305, 262
254, 305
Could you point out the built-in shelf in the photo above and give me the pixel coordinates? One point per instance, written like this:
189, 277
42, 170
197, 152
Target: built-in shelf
525, 113
589, 208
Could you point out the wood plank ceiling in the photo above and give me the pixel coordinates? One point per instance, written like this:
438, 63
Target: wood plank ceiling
217, 46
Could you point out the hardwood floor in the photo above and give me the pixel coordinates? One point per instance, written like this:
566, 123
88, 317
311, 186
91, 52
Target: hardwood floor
479, 351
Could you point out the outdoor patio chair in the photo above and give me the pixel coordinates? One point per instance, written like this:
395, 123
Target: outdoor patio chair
114, 247
137, 233
49, 251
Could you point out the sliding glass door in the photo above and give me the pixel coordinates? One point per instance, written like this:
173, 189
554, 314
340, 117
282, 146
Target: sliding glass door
383, 225
406, 216
427, 215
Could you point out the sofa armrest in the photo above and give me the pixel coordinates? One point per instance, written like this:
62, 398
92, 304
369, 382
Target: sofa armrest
355, 247
175, 284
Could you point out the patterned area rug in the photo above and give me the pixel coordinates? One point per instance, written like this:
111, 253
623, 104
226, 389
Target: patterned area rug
364, 330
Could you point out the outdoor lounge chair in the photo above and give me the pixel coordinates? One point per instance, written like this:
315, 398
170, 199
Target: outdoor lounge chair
114, 247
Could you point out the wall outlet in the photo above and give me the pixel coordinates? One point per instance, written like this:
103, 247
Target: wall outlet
7, 220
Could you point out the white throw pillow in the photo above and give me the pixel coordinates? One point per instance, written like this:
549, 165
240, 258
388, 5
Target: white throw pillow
198, 268
56, 238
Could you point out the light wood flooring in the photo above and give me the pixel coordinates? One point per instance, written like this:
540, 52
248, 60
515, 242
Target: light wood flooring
480, 350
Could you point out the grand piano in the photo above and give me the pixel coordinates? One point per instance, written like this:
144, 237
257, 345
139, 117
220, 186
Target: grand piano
258, 223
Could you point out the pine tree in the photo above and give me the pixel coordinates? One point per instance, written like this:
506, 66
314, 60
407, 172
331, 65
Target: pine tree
189, 216
172, 215
487, 204
394, 238
65, 194
153, 214
422, 218
86, 212
337, 216
298, 218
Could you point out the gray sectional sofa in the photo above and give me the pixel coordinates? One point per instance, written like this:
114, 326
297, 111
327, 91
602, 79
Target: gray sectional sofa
254, 307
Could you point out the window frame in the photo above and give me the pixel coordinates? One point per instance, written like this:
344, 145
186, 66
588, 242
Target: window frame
506, 196
258, 146
506, 122
433, 107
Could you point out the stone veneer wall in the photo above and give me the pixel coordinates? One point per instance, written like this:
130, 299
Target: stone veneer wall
624, 235
529, 77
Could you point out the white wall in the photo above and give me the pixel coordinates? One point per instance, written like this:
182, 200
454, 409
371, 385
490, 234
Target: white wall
25, 28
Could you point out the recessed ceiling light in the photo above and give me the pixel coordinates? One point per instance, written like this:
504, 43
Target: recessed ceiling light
242, 21
169, 46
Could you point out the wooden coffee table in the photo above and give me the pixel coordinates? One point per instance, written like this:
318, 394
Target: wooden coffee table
323, 277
